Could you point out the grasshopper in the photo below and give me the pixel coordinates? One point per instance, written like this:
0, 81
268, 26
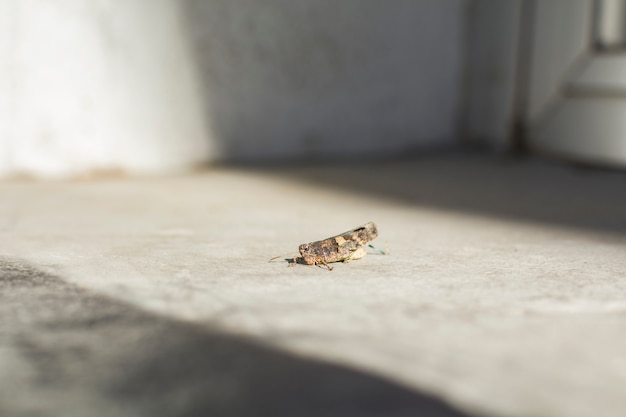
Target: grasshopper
344, 247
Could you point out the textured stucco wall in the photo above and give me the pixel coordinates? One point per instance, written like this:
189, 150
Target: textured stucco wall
160, 85
325, 78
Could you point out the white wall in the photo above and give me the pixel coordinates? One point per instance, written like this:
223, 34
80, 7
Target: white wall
6, 82
160, 85
100, 85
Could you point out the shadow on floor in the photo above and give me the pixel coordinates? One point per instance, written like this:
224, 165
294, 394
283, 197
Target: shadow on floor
487, 185
71, 352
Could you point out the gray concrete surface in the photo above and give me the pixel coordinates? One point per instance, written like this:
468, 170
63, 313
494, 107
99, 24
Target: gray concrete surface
68, 352
503, 294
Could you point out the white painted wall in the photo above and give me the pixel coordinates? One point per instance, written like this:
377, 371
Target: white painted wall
160, 85
6, 83
100, 85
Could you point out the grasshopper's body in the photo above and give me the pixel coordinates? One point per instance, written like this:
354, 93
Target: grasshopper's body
341, 248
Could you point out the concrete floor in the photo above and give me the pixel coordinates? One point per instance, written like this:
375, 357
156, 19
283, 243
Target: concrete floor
503, 293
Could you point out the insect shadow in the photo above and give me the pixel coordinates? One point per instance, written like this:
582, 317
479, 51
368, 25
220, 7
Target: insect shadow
296, 261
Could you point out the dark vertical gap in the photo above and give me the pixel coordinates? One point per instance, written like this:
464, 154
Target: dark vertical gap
623, 29
623, 34
596, 12
466, 43
518, 137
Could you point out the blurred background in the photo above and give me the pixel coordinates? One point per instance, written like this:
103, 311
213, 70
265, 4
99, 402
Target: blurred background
486, 139
164, 86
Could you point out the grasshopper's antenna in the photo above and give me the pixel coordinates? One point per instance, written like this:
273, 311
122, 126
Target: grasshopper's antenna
280, 256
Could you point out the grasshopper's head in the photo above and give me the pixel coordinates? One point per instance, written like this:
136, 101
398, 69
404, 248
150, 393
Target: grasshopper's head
306, 252
304, 248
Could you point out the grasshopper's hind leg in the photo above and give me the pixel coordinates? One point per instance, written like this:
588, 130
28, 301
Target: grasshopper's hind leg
357, 253
325, 264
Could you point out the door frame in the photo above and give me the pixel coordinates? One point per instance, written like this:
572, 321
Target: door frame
525, 95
